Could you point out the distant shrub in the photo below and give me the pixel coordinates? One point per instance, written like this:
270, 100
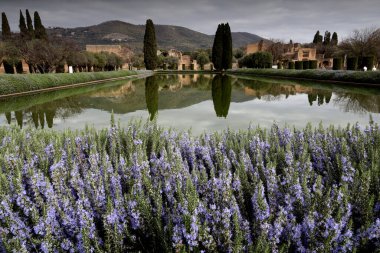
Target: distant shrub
259, 60
337, 64
313, 64
352, 63
183, 67
291, 65
191, 66
299, 65
279, 65
305, 64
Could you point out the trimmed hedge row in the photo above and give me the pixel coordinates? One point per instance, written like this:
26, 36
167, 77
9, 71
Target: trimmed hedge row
21, 83
369, 77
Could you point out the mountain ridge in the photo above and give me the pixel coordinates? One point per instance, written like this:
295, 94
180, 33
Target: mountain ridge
168, 36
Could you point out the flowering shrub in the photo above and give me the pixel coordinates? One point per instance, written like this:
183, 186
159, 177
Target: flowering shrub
149, 189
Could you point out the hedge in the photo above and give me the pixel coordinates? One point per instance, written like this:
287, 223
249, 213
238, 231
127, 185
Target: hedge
10, 84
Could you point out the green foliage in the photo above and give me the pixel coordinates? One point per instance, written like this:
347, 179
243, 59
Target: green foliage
29, 24
19, 68
6, 30
39, 29
334, 39
279, 65
305, 64
22, 26
327, 38
352, 63
22, 83
8, 67
291, 65
222, 48
313, 64
259, 60
368, 77
203, 58
227, 47
368, 62
317, 38
150, 46
217, 48
299, 65
337, 64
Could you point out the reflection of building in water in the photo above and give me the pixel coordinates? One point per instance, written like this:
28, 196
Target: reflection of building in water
117, 92
221, 94
188, 79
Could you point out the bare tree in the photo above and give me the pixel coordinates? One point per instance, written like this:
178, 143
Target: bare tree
365, 42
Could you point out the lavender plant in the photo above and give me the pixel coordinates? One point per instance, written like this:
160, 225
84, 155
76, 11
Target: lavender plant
148, 189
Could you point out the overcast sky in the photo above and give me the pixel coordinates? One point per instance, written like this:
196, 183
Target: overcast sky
280, 19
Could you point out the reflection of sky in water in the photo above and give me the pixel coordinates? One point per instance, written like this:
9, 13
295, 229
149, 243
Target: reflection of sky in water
294, 111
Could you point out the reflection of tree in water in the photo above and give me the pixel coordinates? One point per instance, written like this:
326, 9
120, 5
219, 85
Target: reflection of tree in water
9, 117
221, 94
19, 118
358, 103
321, 96
151, 95
44, 114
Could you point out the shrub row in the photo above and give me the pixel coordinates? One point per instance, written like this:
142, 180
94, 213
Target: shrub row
368, 77
21, 83
312, 64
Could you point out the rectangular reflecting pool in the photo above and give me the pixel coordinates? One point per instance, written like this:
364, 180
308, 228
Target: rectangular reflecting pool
197, 102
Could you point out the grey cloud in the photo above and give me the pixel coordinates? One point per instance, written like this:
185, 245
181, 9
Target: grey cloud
282, 19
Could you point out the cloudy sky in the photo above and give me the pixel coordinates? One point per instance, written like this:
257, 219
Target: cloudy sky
280, 19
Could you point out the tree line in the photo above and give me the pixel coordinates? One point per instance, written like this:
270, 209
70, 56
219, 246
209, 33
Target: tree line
44, 54
221, 56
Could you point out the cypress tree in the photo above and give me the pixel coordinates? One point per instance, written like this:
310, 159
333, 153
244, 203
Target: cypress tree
217, 48
227, 47
316, 37
334, 39
22, 26
29, 24
150, 46
6, 30
39, 32
327, 38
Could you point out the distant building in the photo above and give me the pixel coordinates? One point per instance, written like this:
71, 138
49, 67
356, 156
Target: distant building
292, 52
258, 47
122, 51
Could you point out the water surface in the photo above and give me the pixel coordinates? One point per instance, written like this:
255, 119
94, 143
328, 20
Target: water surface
199, 102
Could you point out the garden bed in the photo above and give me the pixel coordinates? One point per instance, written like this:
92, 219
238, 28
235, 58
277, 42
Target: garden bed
148, 189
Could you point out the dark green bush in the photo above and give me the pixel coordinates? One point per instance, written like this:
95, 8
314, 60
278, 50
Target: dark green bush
352, 63
299, 65
337, 64
305, 64
279, 65
368, 62
313, 64
192, 67
183, 67
291, 65
259, 60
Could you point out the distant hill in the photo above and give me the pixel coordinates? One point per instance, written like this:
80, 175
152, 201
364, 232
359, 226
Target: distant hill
168, 36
